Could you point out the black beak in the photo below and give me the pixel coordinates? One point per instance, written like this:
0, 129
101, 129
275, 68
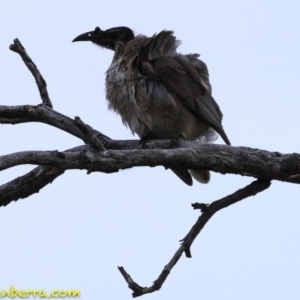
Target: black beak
88, 36
107, 38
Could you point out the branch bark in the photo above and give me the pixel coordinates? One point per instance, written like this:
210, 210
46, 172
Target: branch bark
120, 155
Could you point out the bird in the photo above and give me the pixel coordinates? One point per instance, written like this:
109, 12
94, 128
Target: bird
158, 92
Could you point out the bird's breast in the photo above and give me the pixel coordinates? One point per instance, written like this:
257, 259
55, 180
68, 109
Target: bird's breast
120, 95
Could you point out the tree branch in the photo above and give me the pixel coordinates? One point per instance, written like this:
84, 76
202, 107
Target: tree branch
29, 184
40, 81
43, 114
209, 210
191, 155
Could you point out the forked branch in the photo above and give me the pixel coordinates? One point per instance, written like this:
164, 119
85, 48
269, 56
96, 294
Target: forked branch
207, 212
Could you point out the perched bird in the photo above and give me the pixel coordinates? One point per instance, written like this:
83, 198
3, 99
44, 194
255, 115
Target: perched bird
158, 92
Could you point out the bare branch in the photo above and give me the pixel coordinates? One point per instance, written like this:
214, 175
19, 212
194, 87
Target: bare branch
91, 136
44, 114
40, 81
250, 190
209, 210
191, 155
31, 183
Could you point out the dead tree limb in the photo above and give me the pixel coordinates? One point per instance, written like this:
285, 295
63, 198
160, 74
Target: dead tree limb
191, 155
207, 212
39, 79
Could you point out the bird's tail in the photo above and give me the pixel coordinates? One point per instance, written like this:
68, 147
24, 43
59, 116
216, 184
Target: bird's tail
202, 176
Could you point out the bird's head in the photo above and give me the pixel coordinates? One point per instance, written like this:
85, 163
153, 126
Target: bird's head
107, 38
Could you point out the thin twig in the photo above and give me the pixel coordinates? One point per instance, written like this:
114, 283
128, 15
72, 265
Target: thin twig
40, 81
209, 210
250, 190
91, 136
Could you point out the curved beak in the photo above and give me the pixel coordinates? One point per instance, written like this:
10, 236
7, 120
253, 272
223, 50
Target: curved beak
88, 36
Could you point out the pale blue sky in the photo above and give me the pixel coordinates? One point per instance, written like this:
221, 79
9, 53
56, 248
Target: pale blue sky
76, 231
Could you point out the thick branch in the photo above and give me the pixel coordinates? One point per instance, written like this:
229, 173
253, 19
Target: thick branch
40, 81
191, 155
250, 190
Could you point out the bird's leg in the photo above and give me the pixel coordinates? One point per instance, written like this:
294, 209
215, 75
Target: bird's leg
175, 141
143, 141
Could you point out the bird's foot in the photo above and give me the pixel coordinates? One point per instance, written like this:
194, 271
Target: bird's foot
175, 141
143, 141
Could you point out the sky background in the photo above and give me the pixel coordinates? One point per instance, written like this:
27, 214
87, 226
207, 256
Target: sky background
75, 232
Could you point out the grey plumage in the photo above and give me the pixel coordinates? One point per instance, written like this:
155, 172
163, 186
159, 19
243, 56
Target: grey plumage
158, 92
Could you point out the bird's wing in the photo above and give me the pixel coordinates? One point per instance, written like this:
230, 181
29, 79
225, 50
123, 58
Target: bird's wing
161, 44
184, 175
201, 69
181, 78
